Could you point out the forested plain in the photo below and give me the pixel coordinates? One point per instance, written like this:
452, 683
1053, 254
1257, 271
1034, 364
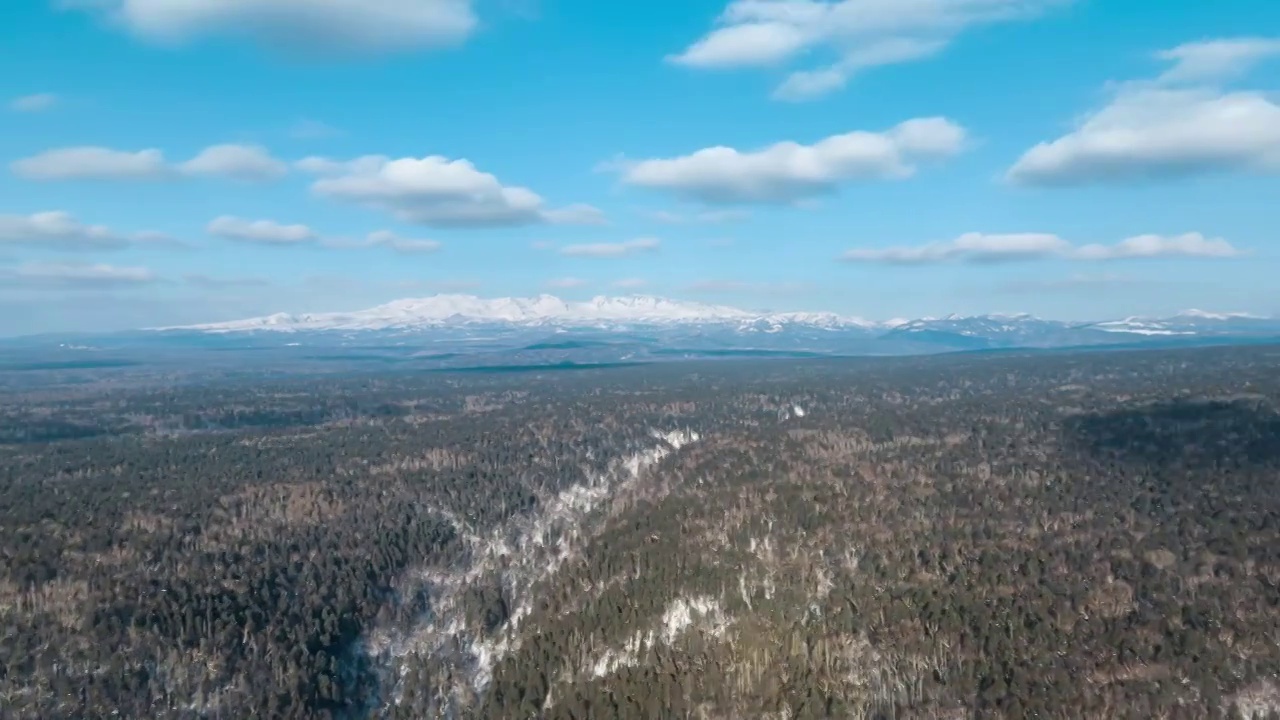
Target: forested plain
1065, 535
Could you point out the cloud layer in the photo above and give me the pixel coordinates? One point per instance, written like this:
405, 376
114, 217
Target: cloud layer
855, 34
69, 274
990, 248
261, 232
788, 171
437, 191
1181, 123
332, 25
58, 230
239, 162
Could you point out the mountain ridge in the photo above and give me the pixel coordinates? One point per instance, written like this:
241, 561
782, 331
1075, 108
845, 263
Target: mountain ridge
602, 312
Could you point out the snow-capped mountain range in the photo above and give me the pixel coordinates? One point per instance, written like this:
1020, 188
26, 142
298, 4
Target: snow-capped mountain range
630, 312
463, 332
542, 310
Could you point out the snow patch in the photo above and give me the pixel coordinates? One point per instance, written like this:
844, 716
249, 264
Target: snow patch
702, 613
517, 555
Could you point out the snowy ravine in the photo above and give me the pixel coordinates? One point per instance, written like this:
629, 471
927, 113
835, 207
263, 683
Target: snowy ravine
516, 555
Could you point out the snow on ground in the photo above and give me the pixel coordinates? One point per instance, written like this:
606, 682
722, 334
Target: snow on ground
518, 554
702, 613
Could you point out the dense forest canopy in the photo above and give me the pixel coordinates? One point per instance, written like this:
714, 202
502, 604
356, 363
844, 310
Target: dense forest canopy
975, 536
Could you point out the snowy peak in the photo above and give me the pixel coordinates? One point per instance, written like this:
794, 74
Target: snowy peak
604, 313
448, 310
1203, 315
1188, 322
971, 325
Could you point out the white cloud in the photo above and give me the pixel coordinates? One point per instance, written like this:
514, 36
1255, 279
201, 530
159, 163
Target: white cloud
38, 102
788, 171
980, 247
860, 34
92, 163
973, 247
264, 232
566, 283
436, 191
810, 84
1152, 246
332, 25
84, 274
618, 249
630, 283
1153, 132
58, 230
240, 162
1214, 60
1182, 123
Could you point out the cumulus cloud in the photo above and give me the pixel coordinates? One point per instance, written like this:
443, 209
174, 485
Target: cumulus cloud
38, 102
1153, 246
59, 230
1153, 132
92, 163
788, 171
436, 191
806, 85
859, 34
1182, 123
270, 232
66, 274
1215, 60
989, 248
241, 162
618, 249
262, 232
334, 25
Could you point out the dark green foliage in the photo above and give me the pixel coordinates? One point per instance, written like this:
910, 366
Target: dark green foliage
1051, 536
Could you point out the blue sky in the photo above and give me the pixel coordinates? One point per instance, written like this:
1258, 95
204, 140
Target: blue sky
167, 161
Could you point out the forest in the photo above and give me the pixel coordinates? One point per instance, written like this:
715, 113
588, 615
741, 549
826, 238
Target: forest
1016, 535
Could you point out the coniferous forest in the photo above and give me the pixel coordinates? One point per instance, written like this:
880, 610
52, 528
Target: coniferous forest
1065, 535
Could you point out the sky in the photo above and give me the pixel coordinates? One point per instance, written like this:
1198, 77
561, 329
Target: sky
181, 161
